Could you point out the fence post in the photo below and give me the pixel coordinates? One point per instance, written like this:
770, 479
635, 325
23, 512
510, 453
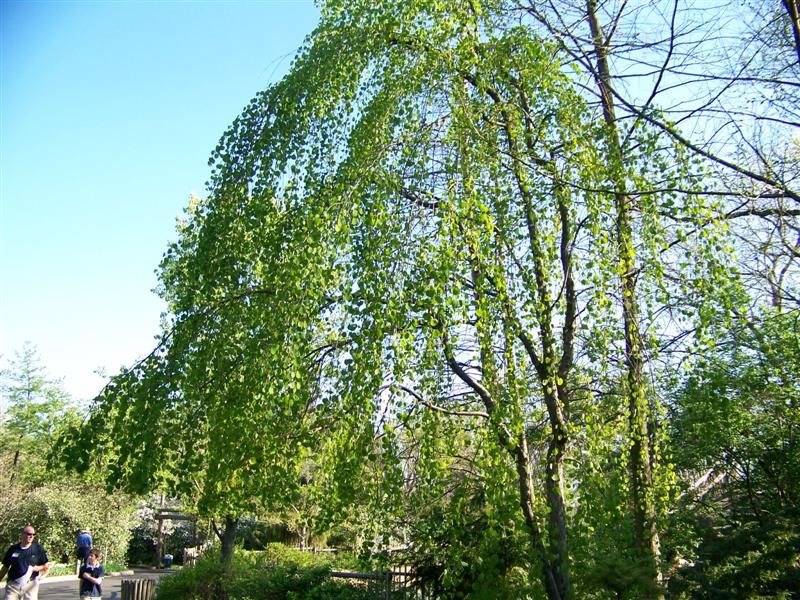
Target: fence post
138, 589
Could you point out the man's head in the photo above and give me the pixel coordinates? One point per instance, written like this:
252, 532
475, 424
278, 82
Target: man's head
26, 535
94, 555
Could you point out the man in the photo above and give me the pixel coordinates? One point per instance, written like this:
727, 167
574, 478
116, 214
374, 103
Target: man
24, 562
82, 546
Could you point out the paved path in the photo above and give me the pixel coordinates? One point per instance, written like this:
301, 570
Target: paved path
67, 588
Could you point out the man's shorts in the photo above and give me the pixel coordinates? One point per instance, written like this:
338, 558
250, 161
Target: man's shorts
29, 591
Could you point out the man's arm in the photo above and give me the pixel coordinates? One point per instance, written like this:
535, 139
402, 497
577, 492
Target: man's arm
44, 565
3, 572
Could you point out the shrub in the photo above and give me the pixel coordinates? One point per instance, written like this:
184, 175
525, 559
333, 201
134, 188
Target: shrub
203, 581
257, 534
745, 559
278, 573
60, 510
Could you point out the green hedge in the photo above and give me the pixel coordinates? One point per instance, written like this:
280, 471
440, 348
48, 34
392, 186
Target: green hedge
59, 510
277, 573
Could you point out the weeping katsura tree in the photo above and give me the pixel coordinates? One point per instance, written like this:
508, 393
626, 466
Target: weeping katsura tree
404, 267
432, 155
218, 414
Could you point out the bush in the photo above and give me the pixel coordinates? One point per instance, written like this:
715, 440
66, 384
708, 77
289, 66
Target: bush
204, 581
142, 548
257, 534
278, 573
278, 554
59, 510
745, 559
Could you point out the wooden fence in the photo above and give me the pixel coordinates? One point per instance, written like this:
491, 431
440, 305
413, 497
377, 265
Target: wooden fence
139, 589
398, 583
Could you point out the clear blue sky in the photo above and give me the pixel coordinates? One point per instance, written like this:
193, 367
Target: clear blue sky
108, 113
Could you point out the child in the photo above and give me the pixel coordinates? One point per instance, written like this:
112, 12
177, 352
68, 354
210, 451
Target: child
91, 576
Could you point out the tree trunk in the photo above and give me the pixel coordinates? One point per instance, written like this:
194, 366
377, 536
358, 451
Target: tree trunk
793, 10
641, 467
227, 537
557, 529
552, 543
554, 579
303, 537
554, 568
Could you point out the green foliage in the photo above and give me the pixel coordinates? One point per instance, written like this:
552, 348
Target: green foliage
738, 412
399, 306
279, 554
35, 411
744, 558
469, 538
623, 576
283, 582
201, 582
275, 574
736, 426
256, 534
142, 549
59, 510
32, 403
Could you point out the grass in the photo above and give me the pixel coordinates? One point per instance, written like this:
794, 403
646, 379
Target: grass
69, 568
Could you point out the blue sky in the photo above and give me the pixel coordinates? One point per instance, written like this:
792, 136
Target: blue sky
108, 113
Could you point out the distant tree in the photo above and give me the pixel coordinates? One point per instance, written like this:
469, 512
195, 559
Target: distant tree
736, 426
35, 410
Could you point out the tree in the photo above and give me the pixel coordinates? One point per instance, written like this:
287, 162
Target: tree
412, 262
673, 66
476, 269
402, 232
736, 424
35, 409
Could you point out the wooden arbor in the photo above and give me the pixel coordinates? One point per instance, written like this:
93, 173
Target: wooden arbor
172, 516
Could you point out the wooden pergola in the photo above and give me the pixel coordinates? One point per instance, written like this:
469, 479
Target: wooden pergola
172, 516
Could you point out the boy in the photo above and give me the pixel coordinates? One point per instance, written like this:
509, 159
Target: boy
91, 576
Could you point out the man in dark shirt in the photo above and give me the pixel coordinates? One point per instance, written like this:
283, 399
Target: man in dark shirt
24, 562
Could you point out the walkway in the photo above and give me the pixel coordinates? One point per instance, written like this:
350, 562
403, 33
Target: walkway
66, 588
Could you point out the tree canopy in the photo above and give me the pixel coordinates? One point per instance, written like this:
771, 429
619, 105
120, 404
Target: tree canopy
435, 276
